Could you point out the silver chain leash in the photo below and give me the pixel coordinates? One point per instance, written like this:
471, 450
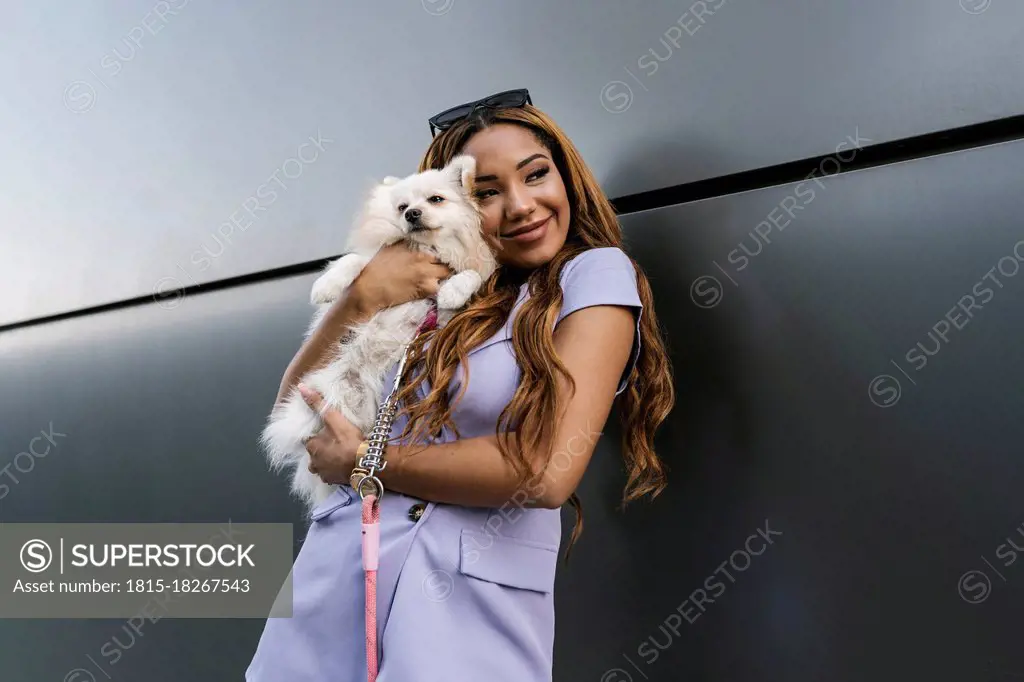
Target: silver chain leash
372, 462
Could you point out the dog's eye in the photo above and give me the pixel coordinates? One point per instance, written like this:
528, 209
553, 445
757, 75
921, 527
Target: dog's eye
435, 199
402, 207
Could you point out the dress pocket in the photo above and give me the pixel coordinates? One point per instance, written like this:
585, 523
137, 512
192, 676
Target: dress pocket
512, 562
341, 497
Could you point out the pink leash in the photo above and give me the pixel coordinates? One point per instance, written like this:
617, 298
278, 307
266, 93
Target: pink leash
371, 553
372, 463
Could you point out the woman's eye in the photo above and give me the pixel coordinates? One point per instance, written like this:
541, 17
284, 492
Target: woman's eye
484, 193
538, 174
402, 207
435, 199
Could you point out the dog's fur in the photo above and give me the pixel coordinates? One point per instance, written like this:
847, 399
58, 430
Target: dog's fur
353, 382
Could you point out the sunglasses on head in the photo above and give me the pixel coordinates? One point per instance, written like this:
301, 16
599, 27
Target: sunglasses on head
502, 100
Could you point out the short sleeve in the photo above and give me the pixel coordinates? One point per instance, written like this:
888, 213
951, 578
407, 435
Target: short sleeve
603, 276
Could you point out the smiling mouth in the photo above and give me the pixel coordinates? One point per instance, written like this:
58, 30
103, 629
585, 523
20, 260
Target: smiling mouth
526, 228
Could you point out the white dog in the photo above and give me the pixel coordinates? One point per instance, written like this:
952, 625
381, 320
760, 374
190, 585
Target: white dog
432, 211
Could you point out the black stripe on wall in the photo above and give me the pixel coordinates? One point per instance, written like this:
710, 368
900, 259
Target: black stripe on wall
921, 146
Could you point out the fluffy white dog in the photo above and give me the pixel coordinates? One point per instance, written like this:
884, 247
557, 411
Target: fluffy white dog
432, 211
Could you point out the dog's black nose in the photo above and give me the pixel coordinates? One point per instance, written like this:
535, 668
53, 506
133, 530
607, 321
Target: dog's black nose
413, 214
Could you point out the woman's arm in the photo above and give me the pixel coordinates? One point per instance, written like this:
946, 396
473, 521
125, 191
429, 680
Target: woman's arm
341, 316
469, 472
594, 344
393, 276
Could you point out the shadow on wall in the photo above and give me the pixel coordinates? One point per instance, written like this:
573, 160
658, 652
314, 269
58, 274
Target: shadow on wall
703, 348
706, 443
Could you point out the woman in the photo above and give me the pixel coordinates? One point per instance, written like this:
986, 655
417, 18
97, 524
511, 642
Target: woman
470, 523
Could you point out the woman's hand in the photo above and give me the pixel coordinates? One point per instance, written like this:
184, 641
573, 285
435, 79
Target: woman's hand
332, 452
397, 275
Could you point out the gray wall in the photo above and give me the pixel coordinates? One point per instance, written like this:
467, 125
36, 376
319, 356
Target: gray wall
888, 479
135, 133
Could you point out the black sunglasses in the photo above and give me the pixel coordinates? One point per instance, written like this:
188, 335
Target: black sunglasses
502, 100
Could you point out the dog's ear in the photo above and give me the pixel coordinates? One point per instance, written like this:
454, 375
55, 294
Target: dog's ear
390, 180
462, 169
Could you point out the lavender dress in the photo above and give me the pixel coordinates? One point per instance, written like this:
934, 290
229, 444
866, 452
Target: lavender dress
463, 593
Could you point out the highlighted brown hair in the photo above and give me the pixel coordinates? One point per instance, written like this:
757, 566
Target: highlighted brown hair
528, 423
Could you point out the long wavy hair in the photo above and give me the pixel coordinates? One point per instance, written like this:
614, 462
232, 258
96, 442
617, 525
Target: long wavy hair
528, 423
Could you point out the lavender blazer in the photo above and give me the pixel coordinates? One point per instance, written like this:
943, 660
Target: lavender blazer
463, 593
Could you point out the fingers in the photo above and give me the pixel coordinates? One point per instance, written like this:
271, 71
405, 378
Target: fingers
440, 270
315, 445
432, 279
312, 398
430, 287
324, 458
312, 449
434, 262
333, 419
398, 246
316, 403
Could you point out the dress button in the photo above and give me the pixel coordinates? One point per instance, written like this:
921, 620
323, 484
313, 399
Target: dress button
416, 511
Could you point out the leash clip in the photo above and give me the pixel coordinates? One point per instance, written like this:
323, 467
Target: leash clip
376, 485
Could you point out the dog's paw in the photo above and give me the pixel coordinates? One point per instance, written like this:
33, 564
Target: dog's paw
448, 299
337, 278
325, 290
458, 289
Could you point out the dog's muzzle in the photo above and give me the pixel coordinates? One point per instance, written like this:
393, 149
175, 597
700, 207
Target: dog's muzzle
413, 216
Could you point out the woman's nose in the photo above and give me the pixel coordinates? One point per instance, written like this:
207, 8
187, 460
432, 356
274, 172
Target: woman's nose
519, 204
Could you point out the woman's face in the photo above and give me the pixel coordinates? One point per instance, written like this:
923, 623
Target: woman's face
519, 190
